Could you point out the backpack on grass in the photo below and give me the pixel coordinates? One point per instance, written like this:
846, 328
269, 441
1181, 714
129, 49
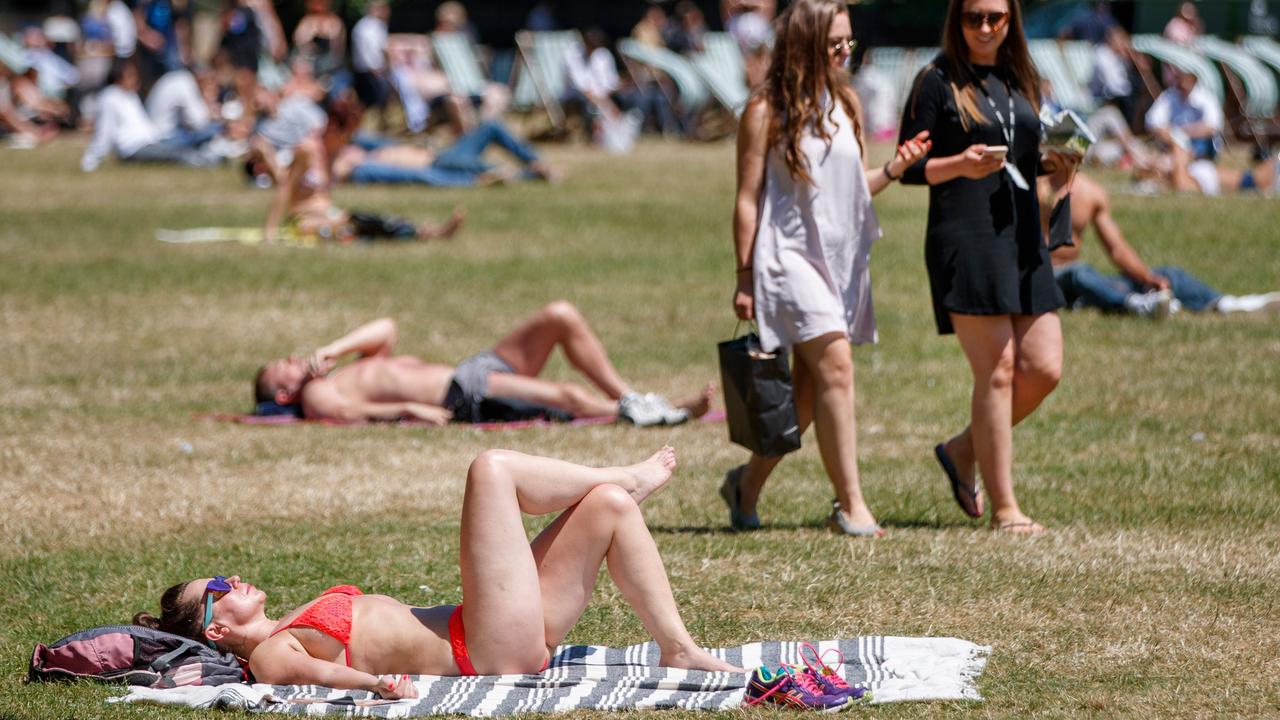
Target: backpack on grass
134, 655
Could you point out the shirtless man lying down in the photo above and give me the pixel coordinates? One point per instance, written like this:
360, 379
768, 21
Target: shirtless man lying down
496, 385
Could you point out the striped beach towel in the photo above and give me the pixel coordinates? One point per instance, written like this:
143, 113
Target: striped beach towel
595, 677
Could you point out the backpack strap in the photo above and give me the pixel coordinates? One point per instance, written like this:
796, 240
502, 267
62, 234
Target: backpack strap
163, 662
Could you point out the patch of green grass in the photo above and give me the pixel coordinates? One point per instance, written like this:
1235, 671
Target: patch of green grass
1156, 463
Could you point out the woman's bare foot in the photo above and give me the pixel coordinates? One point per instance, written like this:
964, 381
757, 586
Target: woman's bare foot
696, 658
445, 230
653, 473
699, 404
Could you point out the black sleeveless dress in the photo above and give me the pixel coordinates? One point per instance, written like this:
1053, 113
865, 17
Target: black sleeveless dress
984, 249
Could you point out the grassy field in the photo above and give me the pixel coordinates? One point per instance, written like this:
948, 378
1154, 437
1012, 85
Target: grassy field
1156, 464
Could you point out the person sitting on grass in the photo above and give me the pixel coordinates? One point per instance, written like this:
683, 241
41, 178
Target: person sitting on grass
497, 385
519, 599
302, 199
1138, 290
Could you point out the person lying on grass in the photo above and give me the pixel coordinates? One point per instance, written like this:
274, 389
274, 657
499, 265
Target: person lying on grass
497, 385
302, 200
520, 599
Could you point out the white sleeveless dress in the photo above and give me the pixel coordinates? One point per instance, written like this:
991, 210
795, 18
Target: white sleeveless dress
813, 245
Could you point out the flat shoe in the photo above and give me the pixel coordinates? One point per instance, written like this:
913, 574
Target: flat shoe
1019, 527
730, 492
838, 525
968, 498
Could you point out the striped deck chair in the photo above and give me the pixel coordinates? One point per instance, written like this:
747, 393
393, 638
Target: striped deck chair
1265, 49
693, 94
540, 80
1183, 57
1077, 55
1259, 83
1052, 66
457, 58
720, 67
892, 61
916, 61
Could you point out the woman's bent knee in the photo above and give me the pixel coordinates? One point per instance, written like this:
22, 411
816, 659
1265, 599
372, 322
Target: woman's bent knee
608, 499
489, 466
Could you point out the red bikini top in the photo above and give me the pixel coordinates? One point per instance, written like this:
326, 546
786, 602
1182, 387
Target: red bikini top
330, 614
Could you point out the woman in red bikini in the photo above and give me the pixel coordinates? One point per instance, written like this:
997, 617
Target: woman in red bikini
520, 599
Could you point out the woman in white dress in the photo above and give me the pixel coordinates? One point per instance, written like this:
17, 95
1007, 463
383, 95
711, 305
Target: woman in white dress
803, 226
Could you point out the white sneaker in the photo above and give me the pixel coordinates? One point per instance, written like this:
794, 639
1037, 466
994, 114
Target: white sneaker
648, 410
1248, 303
1156, 304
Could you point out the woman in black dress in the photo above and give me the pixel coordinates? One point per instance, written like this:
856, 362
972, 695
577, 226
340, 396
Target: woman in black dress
989, 268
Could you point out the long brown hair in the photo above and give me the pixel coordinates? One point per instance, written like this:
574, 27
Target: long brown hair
798, 74
1012, 55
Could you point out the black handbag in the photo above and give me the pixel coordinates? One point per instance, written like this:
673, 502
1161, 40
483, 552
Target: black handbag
759, 400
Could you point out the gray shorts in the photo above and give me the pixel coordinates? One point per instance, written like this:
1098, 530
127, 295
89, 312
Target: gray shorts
472, 374
469, 401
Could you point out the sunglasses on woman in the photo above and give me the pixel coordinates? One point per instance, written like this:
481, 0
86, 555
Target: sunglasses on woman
838, 46
975, 20
213, 592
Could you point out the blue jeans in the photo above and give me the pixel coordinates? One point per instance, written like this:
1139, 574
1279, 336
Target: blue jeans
1085, 287
458, 165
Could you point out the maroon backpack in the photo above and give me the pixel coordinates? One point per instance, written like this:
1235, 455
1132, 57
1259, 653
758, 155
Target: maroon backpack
135, 655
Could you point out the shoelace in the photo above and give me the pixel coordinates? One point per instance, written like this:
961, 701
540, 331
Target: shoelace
806, 681
819, 667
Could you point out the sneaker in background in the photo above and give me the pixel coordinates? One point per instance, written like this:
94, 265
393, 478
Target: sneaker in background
648, 410
795, 690
1156, 304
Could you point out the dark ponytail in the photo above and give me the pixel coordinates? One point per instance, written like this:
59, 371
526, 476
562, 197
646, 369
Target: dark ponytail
176, 616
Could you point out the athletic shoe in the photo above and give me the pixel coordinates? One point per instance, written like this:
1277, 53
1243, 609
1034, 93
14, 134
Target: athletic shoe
795, 690
828, 679
648, 410
1248, 303
1154, 304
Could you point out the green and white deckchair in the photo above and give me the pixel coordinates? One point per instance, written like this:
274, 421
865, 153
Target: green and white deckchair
1180, 56
1077, 55
1265, 49
720, 67
692, 90
457, 58
1259, 84
1067, 89
540, 80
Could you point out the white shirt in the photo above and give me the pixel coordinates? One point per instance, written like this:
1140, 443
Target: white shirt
369, 45
1172, 111
122, 125
1110, 74
124, 30
175, 102
596, 75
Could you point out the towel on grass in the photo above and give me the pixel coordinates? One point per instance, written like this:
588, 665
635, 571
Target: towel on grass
243, 235
580, 677
249, 419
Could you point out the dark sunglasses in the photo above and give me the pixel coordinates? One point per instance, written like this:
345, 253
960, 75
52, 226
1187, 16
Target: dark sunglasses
975, 20
213, 592
836, 46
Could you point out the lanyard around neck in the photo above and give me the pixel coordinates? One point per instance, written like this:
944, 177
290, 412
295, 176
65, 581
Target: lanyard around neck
1006, 126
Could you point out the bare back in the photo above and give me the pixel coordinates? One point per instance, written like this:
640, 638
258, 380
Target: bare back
1087, 199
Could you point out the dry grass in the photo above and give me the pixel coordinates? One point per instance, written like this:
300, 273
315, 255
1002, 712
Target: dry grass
1157, 463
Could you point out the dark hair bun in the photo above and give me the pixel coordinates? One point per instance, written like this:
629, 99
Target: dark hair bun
146, 619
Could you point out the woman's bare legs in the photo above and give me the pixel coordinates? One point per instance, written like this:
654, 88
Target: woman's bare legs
519, 599
827, 363
1016, 362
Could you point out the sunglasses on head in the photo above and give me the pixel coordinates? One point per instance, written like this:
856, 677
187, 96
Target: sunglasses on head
213, 592
975, 20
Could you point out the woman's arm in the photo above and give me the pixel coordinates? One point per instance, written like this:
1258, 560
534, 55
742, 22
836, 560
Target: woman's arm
287, 663
924, 111
753, 141
908, 154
